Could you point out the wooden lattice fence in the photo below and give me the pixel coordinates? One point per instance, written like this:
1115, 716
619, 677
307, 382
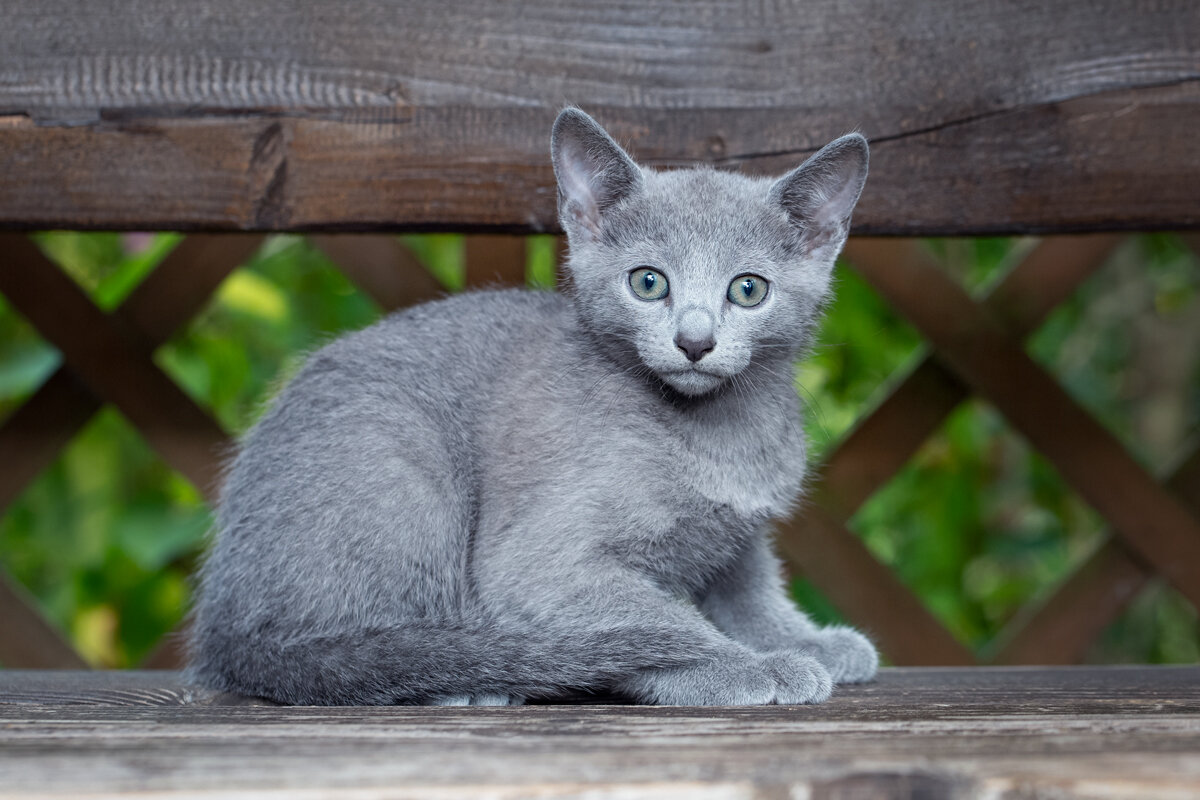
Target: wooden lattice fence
976, 349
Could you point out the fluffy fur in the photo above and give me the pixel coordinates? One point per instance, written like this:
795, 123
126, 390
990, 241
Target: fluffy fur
508, 494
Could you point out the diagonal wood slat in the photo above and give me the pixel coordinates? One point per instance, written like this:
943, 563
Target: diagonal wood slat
1059, 629
381, 266
113, 358
40, 429
974, 343
183, 283
888, 436
26, 638
48, 420
1101, 587
826, 553
495, 259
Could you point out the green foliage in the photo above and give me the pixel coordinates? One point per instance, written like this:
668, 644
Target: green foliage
976, 524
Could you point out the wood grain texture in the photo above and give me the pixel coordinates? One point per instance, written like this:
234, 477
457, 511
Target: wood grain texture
414, 114
931, 733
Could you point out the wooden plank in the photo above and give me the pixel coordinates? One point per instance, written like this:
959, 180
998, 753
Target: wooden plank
103, 687
405, 114
27, 639
899, 693
969, 338
113, 361
938, 733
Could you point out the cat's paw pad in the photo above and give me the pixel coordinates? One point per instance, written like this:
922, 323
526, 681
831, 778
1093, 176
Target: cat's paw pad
847, 654
799, 678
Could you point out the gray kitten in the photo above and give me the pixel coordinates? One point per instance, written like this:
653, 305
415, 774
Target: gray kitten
508, 494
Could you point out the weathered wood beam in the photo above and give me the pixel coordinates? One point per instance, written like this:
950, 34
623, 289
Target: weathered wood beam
414, 114
1112, 732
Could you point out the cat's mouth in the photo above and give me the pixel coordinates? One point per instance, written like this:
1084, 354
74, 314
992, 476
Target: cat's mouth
692, 381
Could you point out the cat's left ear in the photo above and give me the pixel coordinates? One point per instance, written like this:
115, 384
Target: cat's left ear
593, 172
819, 195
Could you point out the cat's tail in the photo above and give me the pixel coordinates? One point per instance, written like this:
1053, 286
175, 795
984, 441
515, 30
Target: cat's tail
421, 663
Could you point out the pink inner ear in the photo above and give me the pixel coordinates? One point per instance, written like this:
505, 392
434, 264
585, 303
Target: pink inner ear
836, 205
577, 185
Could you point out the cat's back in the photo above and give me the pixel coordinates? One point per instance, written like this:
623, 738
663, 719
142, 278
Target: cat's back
437, 360
454, 344
409, 387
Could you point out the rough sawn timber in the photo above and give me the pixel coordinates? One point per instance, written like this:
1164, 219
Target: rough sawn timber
991, 116
1114, 732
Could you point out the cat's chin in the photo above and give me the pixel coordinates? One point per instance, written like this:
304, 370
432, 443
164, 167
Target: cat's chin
692, 382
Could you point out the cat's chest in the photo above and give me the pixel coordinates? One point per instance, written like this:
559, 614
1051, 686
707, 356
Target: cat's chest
755, 469
714, 491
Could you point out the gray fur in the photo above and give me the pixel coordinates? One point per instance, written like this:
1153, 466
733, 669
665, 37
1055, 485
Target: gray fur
506, 494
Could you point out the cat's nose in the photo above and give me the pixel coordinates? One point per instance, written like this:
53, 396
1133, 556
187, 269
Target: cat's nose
694, 336
694, 349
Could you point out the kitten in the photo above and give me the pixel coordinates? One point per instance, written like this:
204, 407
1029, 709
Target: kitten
509, 494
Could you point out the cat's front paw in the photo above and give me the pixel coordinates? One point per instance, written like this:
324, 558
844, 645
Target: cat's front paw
750, 679
799, 678
847, 654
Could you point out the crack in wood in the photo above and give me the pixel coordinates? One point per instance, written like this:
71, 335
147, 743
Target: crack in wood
969, 119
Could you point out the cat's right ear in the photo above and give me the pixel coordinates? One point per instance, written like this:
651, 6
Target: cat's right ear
593, 172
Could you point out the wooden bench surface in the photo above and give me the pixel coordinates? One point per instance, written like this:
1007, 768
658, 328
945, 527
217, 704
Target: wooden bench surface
1113, 732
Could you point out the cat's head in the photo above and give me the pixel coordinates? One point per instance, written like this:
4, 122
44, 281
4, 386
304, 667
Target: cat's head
699, 273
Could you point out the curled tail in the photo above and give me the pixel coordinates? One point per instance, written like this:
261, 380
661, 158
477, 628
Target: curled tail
418, 663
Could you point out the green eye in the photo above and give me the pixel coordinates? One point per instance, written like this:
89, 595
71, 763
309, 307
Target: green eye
747, 290
648, 284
